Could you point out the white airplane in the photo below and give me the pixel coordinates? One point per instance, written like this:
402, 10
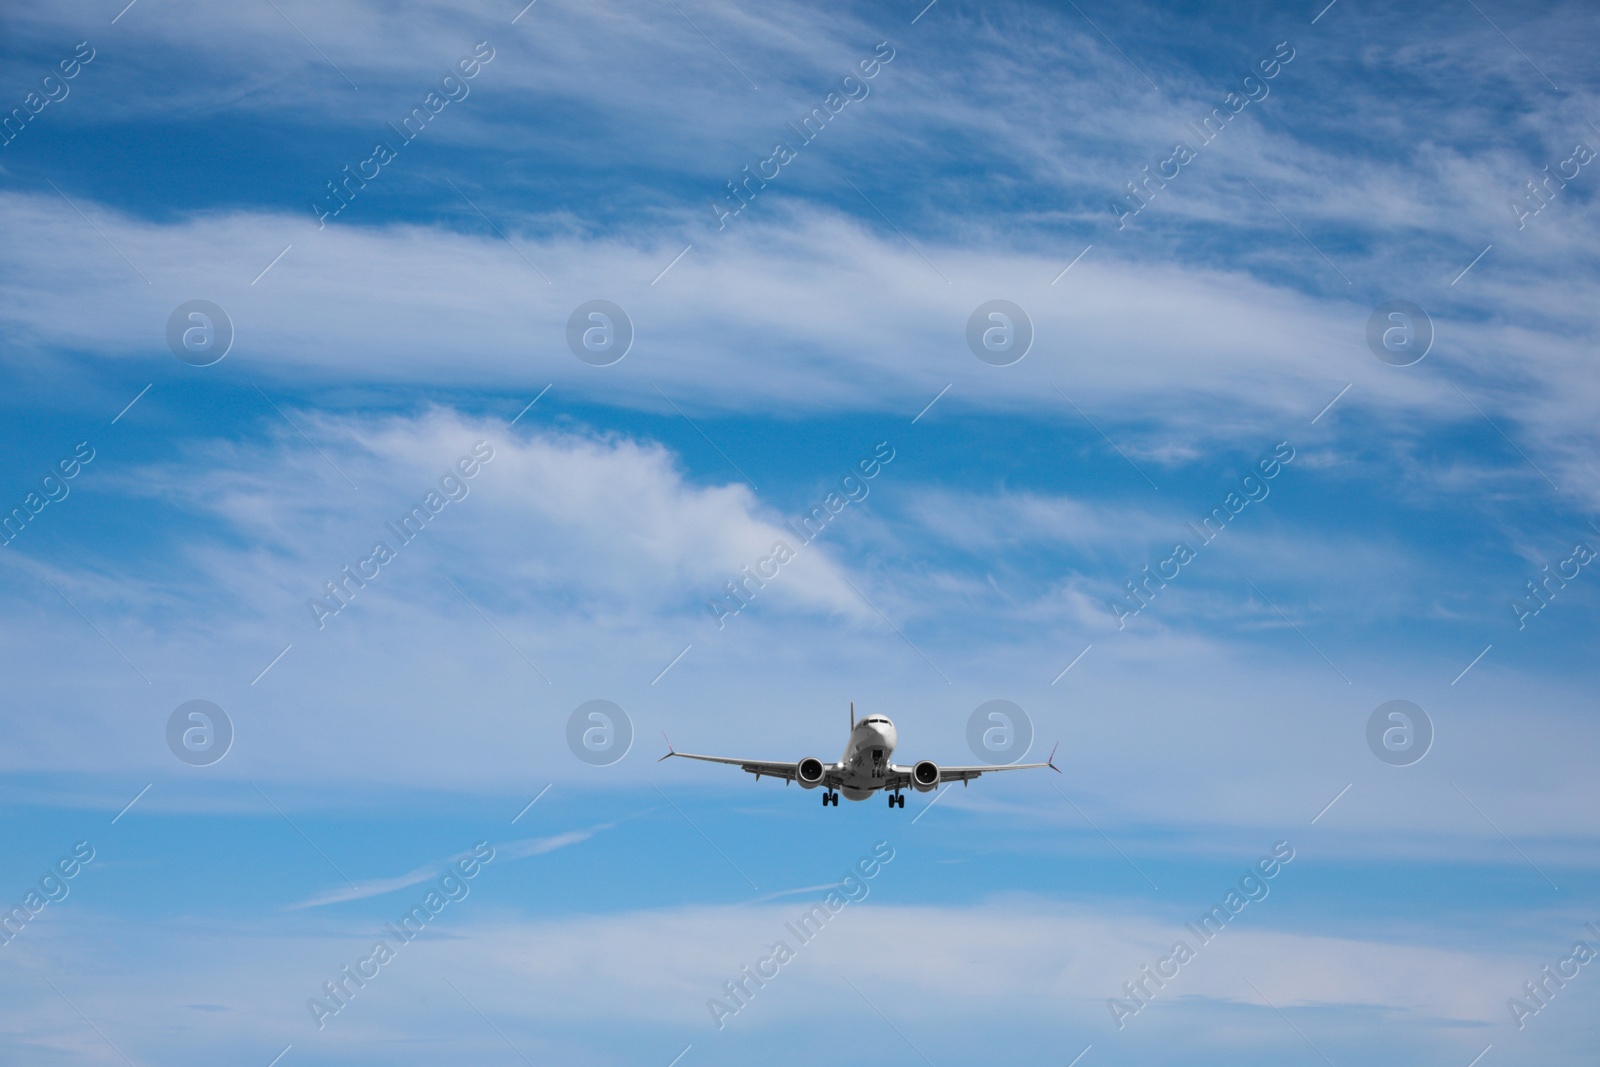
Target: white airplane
865, 768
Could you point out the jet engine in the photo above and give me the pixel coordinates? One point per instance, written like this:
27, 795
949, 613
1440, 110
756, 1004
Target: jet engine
925, 776
808, 772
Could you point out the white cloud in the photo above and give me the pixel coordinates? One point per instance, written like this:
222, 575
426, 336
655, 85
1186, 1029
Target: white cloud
588, 521
510, 850
938, 971
841, 318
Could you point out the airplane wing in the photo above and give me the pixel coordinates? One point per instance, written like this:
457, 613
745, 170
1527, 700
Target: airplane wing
902, 777
759, 768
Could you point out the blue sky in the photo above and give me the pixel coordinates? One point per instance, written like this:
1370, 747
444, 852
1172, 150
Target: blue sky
1175, 347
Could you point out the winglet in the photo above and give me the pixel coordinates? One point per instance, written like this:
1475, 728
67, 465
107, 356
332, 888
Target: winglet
668, 740
1051, 762
852, 715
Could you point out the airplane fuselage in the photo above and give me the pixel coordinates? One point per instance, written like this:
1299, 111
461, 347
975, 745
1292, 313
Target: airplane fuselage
865, 763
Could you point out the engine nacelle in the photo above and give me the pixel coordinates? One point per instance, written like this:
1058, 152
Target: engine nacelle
925, 776
808, 772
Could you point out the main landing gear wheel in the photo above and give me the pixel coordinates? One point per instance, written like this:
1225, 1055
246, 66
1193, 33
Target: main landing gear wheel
830, 797
897, 800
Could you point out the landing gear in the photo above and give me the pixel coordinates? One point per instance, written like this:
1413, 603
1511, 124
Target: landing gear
897, 800
830, 797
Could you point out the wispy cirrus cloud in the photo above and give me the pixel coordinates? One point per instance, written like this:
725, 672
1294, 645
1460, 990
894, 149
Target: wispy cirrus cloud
521, 848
